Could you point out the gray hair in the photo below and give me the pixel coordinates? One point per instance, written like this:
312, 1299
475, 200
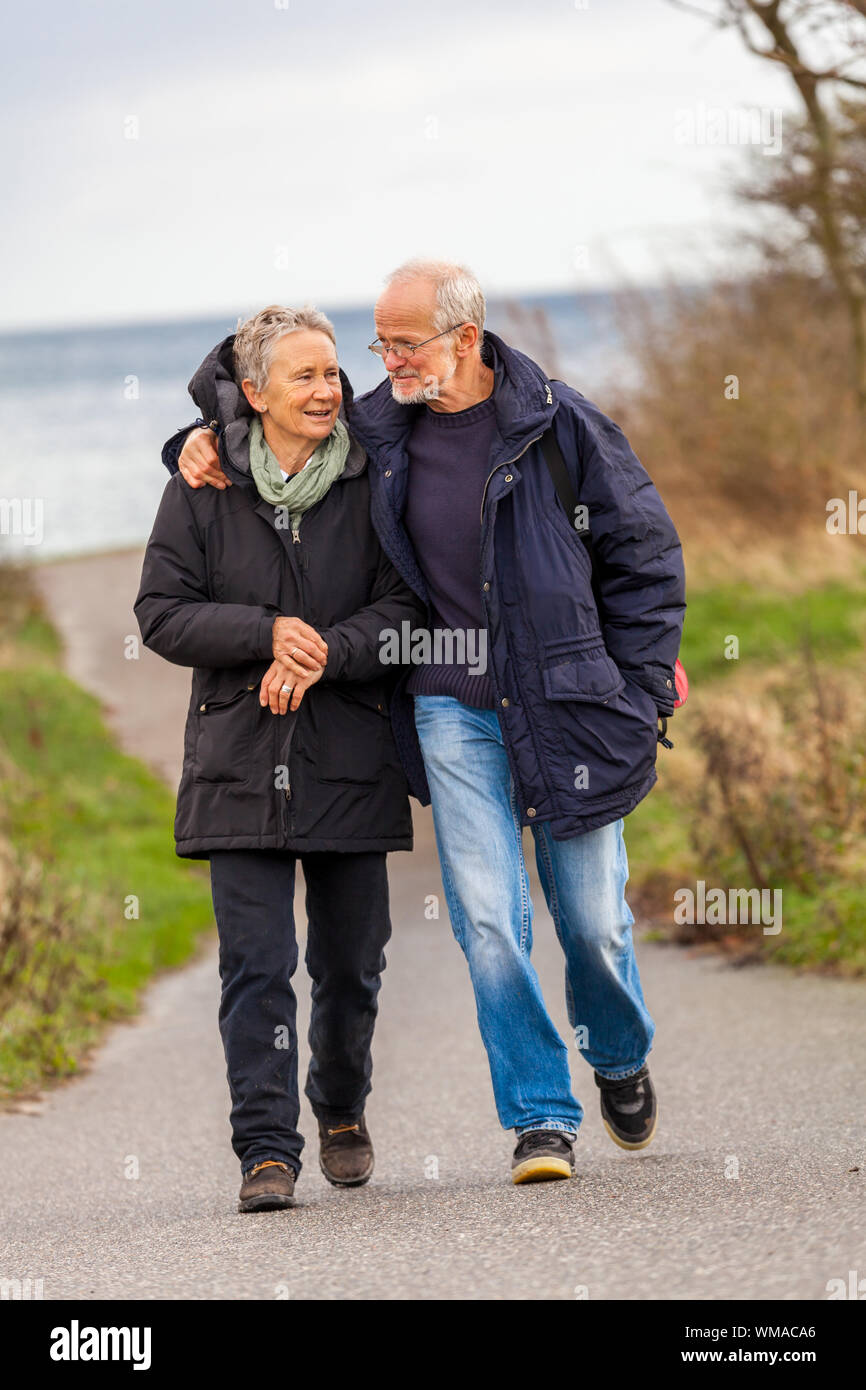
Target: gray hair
459, 296
256, 339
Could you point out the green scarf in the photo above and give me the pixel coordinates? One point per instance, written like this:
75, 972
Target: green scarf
302, 490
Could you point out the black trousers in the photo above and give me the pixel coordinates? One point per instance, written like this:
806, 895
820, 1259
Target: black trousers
348, 926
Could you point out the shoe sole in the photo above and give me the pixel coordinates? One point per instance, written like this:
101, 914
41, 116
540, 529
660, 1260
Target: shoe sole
626, 1144
541, 1170
267, 1202
347, 1182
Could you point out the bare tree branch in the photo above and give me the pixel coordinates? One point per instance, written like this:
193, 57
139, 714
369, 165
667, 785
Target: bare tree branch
821, 199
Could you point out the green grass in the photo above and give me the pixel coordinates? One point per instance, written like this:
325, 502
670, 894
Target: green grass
35, 638
826, 932
657, 835
769, 627
90, 827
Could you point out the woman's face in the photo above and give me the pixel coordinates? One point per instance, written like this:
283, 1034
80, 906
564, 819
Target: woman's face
303, 394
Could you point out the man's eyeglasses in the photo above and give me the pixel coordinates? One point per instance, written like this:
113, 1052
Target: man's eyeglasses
407, 350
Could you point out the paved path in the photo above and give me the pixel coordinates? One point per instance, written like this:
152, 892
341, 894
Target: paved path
759, 1072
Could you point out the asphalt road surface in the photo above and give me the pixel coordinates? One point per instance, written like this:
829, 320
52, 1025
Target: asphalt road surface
753, 1187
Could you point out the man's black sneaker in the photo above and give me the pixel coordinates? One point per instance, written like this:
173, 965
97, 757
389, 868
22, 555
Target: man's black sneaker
628, 1108
345, 1152
542, 1154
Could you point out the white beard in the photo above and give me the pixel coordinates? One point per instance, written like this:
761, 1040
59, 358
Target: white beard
422, 392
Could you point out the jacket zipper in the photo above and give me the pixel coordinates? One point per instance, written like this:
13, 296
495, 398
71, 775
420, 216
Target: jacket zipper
287, 790
505, 464
300, 566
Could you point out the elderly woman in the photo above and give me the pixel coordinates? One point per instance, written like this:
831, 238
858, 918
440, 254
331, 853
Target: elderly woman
274, 588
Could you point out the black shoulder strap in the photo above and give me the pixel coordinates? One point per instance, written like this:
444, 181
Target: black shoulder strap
565, 492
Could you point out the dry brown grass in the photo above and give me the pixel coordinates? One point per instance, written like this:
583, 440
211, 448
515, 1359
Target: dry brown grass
782, 798
747, 480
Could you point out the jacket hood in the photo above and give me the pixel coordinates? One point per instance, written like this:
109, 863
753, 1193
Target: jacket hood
222, 403
522, 395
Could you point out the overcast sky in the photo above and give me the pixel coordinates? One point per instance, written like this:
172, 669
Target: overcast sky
290, 151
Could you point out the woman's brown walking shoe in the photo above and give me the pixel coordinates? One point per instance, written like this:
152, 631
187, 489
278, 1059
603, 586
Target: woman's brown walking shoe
269, 1186
345, 1153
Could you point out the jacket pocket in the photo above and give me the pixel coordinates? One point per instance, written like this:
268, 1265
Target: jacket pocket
579, 668
223, 738
351, 742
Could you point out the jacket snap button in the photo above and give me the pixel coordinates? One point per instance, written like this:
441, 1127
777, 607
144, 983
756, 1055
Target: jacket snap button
506, 701
486, 588
202, 708
251, 687
530, 810
387, 472
509, 477
668, 684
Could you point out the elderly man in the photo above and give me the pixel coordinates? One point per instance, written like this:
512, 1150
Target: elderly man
559, 733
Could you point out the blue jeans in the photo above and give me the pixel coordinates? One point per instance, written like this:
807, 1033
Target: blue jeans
479, 838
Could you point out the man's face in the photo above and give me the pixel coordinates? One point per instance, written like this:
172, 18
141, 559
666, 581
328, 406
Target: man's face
405, 314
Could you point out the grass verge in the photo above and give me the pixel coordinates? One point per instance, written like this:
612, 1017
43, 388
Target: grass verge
93, 900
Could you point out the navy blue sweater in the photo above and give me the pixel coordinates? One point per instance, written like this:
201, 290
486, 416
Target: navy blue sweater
449, 461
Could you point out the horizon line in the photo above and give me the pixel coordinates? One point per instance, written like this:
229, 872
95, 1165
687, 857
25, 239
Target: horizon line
18, 330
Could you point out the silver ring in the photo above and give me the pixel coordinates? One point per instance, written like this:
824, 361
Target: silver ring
292, 652
287, 689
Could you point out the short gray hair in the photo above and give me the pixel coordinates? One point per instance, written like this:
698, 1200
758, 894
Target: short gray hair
256, 339
459, 296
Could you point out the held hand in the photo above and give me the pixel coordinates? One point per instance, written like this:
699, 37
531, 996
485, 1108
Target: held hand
298, 646
276, 677
199, 461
